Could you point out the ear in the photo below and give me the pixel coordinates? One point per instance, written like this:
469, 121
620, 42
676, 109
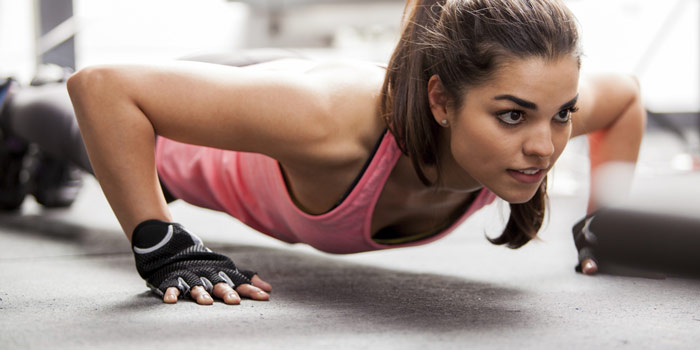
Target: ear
438, 99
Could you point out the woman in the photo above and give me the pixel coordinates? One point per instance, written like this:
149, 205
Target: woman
476, 102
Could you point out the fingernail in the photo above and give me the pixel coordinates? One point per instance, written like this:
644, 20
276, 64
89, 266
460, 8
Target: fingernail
232, 299
589, 266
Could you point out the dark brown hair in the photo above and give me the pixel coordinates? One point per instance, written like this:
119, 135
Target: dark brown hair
464, 42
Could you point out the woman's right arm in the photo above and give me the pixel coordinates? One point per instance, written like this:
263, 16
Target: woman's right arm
120, 109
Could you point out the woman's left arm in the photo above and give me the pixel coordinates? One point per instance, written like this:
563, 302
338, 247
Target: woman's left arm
612, 116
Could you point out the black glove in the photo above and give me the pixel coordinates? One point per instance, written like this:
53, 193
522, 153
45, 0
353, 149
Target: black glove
585, 240
167, 255
632, 242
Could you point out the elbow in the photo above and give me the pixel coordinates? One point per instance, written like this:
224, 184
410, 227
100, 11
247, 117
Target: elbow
75, 82
634, 114
86, 82
78, 83
79, 92
636, 100
634, 90
90, 88
635, 82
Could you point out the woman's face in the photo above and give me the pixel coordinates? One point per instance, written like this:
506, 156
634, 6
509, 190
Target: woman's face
510, 131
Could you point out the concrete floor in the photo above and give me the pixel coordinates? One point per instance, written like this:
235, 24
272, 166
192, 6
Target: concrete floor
69, 282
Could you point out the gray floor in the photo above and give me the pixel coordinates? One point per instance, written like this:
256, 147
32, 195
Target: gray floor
68, 282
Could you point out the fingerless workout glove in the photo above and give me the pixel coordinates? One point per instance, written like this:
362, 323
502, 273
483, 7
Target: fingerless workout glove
167, 255
585, 240
644, 241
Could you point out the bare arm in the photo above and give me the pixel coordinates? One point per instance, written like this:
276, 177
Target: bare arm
120, 109
304, 115
613, 117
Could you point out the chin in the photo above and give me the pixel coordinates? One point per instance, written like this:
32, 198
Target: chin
514, 192
517, 201
517, 197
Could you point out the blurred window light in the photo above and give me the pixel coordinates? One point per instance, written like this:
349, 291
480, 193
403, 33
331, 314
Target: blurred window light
659, 41
133, 30
17, 39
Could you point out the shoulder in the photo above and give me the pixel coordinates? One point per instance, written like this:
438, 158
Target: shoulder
324, 166
601, 97
349, 117
298, 112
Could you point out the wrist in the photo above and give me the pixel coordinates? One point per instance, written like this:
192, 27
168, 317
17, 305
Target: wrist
150, 233
611, 184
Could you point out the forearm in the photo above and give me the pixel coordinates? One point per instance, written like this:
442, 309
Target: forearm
120, 141
616, 145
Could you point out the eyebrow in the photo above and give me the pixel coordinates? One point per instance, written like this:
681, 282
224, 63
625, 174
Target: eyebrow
532, 105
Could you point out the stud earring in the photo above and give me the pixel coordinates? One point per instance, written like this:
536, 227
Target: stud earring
443, 122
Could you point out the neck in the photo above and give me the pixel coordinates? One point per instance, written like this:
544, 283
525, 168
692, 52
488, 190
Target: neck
453, 178
453, 184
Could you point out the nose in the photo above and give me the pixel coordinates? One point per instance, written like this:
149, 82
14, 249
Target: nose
539, 142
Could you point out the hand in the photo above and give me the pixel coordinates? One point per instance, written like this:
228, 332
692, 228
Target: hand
257, 290
585, 242
175, 263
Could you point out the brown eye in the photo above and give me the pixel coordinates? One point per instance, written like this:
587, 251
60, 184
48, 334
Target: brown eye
563, 116
511, 117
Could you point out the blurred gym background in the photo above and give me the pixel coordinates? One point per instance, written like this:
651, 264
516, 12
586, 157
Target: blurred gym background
658, 41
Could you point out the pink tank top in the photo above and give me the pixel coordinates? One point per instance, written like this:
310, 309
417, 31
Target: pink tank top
251, 188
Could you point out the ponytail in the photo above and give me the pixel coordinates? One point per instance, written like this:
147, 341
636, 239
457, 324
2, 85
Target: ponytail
405, 104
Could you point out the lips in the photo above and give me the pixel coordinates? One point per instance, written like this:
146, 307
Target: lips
528, 176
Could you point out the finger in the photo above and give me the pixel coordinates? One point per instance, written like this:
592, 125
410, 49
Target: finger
223, 291
171, 294
589, 267
252, 292
200, 295
258, 282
